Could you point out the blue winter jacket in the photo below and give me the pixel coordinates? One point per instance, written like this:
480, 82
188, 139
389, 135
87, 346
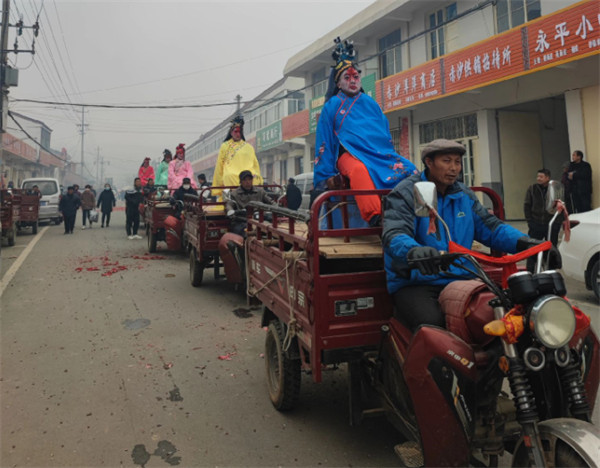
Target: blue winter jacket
465, 216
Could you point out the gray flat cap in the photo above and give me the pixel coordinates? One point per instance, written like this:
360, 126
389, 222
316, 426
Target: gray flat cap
442, 146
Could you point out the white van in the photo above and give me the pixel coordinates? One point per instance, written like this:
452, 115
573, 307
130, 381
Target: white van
304, 182
50, 189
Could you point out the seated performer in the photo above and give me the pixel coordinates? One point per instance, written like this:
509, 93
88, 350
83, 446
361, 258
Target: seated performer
354, 140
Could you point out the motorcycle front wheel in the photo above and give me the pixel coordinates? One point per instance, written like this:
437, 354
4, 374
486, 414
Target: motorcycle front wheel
567, 443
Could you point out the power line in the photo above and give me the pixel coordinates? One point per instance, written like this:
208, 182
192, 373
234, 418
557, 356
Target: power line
11, 115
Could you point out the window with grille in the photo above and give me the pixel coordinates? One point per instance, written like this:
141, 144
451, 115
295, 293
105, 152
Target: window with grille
454, 128
390, 55
437, 37
319, 79
512, 13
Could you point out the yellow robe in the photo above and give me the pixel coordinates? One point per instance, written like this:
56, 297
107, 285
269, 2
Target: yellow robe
235, 157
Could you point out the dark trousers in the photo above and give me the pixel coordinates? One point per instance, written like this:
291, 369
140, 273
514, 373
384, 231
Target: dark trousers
86, 216
69, 222
582, 202
418, 305
540, 231
106, 217
132, 223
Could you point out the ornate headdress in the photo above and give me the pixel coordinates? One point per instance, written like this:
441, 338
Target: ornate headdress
237, 121
180, 149
344, 55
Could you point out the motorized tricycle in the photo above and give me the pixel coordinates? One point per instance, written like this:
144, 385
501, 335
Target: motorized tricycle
163, 221
231, 245
325, 303
205, 224
29, 212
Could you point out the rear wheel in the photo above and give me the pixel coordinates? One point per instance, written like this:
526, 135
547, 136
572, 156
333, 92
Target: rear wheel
34, 228
196, 269
151, 241
283, 373
595, 278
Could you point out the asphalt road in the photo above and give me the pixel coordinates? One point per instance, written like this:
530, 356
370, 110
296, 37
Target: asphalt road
137, 368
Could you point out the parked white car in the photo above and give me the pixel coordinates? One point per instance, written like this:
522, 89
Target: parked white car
581, 255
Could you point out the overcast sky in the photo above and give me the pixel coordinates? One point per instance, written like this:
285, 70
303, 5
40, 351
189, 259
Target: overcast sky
155, 52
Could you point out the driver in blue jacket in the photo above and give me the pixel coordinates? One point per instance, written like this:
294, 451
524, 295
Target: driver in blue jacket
405, 236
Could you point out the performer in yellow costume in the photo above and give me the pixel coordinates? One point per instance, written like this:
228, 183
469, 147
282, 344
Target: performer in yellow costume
235, 156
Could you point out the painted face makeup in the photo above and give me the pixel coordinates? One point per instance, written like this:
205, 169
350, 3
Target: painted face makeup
350, 82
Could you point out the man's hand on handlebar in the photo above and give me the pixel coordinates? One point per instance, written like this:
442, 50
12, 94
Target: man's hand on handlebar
425, 258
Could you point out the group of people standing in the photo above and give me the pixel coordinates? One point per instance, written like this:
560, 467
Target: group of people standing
73, 200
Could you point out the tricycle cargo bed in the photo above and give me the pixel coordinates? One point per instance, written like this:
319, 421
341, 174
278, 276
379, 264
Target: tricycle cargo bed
328, 283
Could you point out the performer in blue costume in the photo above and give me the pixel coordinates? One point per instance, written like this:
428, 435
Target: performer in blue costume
354, 140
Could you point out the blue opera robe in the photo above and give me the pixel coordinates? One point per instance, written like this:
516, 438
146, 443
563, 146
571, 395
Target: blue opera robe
358, 124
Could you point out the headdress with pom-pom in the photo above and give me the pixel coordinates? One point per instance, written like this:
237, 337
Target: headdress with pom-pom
344, 55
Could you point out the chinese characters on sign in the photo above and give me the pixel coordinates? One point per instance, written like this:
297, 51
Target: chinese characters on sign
564, 36
550, 40
415, 85
485, 62
268, 137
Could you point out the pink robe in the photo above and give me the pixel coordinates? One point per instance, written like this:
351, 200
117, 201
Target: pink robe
178, 170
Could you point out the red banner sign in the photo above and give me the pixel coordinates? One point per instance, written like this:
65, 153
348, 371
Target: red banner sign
407, 88
483, 63
564, 35
295, 125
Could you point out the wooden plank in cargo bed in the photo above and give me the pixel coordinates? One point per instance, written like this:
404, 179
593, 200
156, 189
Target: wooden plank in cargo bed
335, 247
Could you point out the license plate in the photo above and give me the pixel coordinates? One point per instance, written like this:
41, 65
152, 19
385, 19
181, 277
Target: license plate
43, 203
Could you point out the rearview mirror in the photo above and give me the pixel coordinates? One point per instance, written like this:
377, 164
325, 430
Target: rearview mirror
425, 195
554, 193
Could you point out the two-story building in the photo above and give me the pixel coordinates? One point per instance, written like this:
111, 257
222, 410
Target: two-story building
515, 81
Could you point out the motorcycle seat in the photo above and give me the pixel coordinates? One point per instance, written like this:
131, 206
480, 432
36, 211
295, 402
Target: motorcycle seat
466, 309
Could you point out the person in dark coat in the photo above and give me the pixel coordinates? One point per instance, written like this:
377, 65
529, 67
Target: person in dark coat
536, 214
133, 198
107, 200
179, 195
68, 206
580, 176
293, 195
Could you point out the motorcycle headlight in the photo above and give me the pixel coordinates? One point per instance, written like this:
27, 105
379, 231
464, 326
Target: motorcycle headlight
552, 320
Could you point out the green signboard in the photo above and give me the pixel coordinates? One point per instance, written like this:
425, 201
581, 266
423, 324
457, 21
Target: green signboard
268, 137
368, 85
313, 113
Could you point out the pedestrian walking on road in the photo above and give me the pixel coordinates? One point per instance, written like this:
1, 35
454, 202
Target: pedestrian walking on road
133, 198
68, 206
88, 202
108, 202
580, 176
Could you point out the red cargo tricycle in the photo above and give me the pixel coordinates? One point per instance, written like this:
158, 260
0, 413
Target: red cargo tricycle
29, 212
10, 206
205, 223
163, 222
325, 302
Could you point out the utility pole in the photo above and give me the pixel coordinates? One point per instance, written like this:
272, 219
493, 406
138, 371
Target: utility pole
238, 98
97, 166
3, 63
83, 126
